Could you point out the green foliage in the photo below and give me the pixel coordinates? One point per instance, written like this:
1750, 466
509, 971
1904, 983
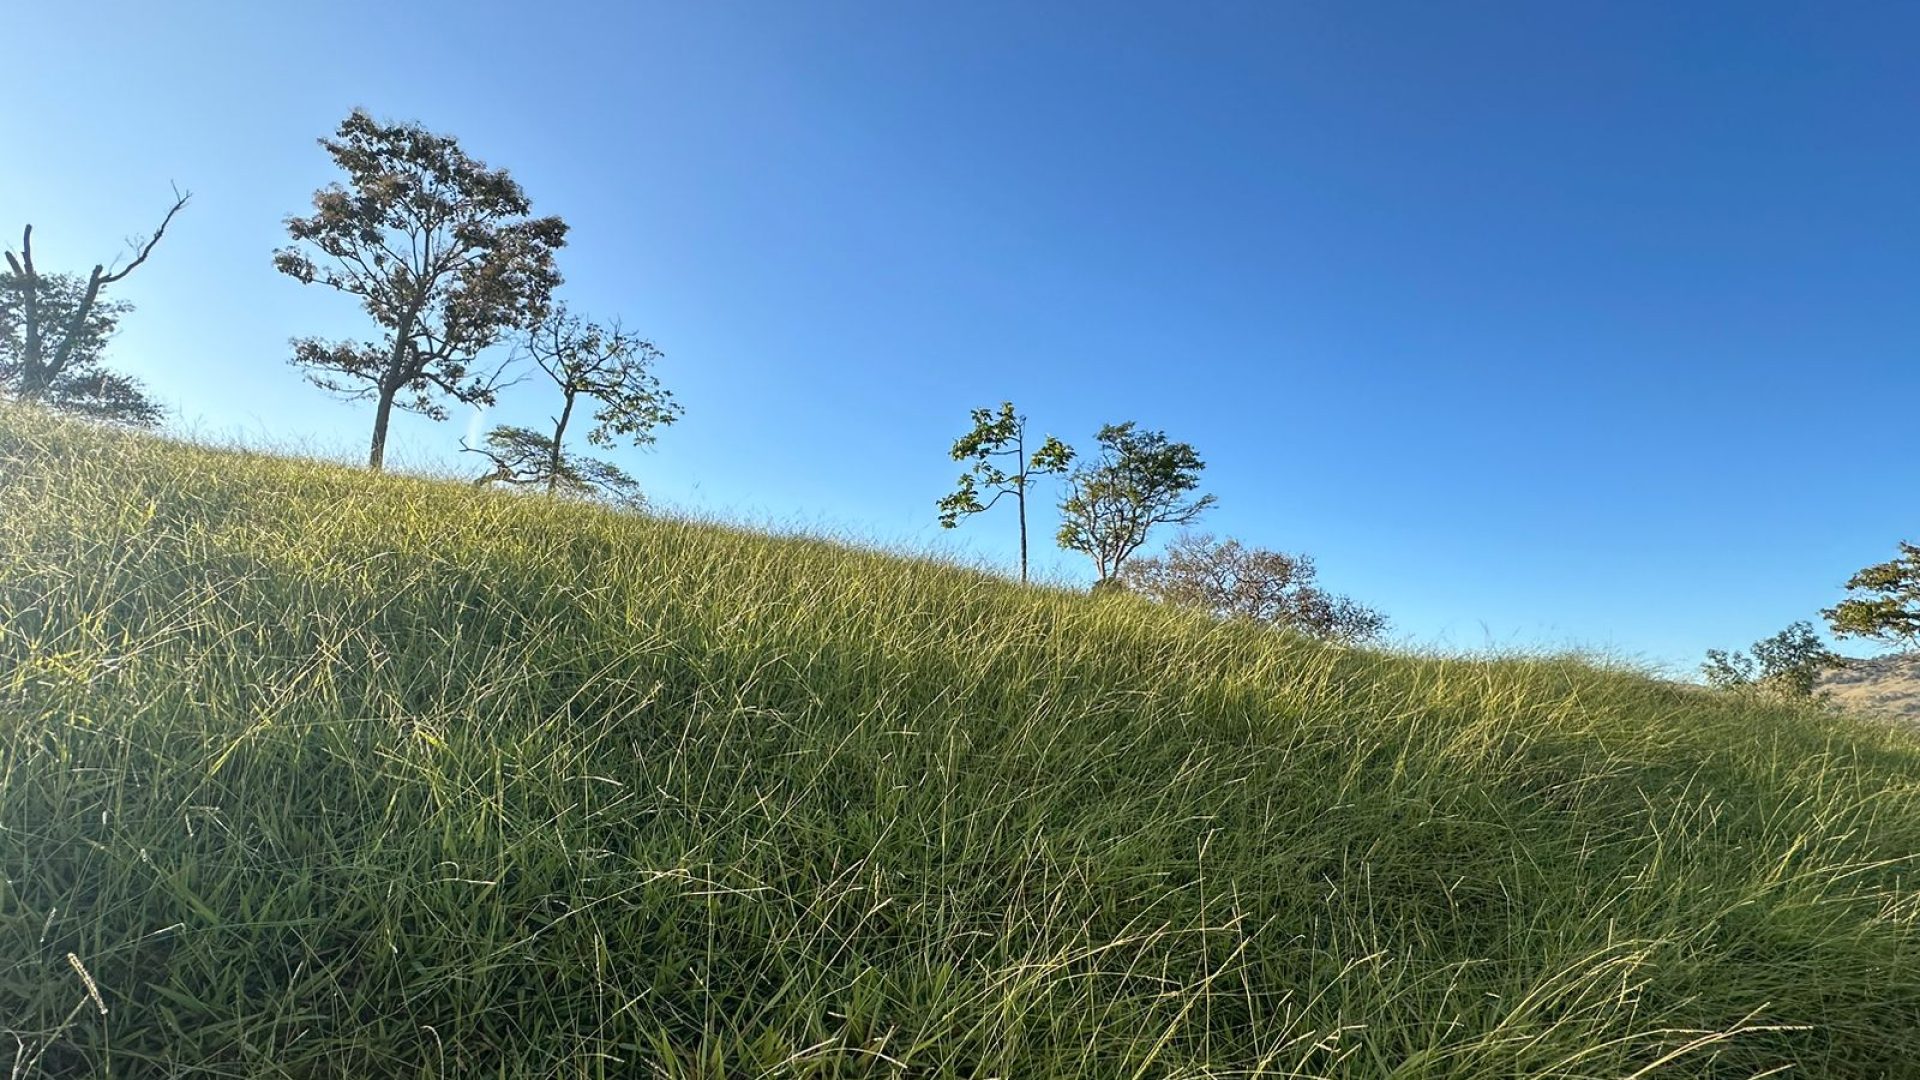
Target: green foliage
1728, 670
85, 386
58, 298
1113, 503
1789, 663
1000, 435
612, 369
440, 252
1229, 580
315, 772
608, 365
1889, 605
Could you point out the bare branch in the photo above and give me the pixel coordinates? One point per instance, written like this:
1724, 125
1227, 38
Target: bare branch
145, 249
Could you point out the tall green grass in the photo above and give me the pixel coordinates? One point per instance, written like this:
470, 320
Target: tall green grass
307, 772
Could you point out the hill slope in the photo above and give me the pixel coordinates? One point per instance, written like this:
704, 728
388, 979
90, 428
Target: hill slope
1887, 687
311, 772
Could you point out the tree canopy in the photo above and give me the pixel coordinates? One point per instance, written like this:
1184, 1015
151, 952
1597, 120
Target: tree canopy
1789, 663
1139, 480
523, 457
1886, 601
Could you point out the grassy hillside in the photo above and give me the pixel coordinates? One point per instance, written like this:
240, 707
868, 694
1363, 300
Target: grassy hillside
316, 773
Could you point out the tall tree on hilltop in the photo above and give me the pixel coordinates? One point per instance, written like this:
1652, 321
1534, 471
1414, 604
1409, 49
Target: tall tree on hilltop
54, 330
443, 255
607, 365
1140, 481
1886, 604
1003, 436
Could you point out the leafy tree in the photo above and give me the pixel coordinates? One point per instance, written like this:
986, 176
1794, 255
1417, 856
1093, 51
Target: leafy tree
443, 256
84, 386
606, 365
1139, 481
1001, 435
1728, 670
1889, 605
1789, 663
54, 330
1232, 581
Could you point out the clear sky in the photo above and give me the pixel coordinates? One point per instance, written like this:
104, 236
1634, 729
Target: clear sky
1538, 324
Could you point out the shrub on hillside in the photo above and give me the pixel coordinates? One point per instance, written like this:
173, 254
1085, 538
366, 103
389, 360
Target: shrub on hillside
1789, 664
1232, 581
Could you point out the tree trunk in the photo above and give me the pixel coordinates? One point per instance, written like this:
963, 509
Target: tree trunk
1020, 492
31, 386
1020, 501
559, 432
52, 368
391, 380
377, 454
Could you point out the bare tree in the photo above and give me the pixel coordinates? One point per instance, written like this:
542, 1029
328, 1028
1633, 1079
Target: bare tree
53, 328
1232, 581
442, 254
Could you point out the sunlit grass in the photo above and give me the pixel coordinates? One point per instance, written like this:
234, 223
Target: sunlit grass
309, 772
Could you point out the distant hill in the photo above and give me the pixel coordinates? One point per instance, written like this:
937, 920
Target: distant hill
1885, 686
307, 772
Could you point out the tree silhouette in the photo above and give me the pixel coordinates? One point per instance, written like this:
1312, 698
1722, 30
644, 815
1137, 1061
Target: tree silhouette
441, 253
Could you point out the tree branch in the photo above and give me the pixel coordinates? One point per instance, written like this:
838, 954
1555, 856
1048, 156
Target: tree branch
146, 249
96, 281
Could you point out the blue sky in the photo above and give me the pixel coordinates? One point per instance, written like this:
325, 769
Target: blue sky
1537, 324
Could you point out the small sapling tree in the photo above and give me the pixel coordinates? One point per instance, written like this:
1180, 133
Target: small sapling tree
1139, 481
442, 255
999, 465
54, 330
606, 367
